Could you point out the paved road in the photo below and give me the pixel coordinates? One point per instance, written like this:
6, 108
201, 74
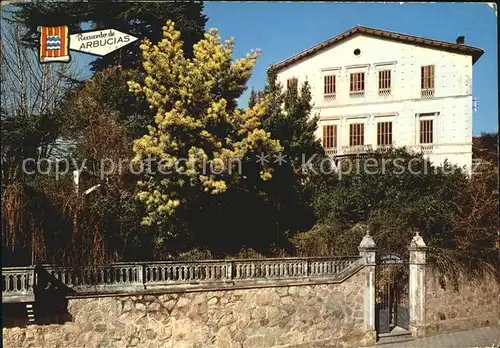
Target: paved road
483, 337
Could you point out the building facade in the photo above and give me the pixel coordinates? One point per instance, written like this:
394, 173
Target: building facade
374, 89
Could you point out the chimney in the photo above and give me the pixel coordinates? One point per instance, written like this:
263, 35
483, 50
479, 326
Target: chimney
461, 40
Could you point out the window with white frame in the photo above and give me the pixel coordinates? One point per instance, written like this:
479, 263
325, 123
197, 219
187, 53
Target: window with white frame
427, 81
426, 131
357, 84
356, 134
384, 133
384, 82
330, 136
330, 87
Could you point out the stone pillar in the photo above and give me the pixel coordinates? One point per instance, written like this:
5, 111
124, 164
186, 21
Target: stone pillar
367, 250
417, 284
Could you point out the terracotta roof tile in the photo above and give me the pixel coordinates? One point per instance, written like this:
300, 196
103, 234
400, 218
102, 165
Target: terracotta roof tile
388, 35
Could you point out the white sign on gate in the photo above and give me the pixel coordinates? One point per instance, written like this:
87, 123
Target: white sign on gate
391, 258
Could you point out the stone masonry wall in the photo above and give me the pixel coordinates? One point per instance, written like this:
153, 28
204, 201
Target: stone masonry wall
460, 304
292, 316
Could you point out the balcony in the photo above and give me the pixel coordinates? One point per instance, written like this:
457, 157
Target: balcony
427, 93
347, 150
356, 149
423, 148
329, 99
357, 94
385, 92
331, 151
384, 148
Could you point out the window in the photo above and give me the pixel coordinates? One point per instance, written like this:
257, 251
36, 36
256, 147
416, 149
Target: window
384, 133
356, 134
357, 86
330, 136
427, 81
384, 82
330, 87
425, 131
291, 82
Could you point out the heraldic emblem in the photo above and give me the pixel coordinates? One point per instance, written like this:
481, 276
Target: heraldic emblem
54, 44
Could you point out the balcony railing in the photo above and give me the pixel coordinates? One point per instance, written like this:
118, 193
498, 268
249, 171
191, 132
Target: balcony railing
427, 93
331, 151
357, 94
356, 149
386, 92
423, 148
384, 148
426, 149
347, 150
19, 282
330, 96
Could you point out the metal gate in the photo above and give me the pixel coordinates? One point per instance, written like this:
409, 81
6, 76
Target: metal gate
392, 301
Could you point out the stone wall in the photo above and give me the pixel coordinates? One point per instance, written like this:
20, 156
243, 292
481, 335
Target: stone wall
291, 316
460, 304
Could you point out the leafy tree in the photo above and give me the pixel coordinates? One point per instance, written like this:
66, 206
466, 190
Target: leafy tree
197, 123
486, 147
291, 122
30, 96
100, 116
143, 20
395, 193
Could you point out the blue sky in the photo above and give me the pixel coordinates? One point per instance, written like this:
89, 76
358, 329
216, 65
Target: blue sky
283, 29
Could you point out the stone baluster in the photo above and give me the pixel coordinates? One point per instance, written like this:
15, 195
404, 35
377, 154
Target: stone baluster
367, 250
417, 250
229, 274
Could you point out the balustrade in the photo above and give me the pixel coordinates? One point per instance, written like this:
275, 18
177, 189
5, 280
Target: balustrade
427, 93
386, 92
121, 276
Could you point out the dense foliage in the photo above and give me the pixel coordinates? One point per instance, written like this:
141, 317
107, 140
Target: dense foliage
196, 122
184, 110
395, 194
47, 113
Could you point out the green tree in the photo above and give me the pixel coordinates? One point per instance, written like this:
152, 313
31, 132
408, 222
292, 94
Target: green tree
143, 20
197, 122
100, 117
395, 193
289, 119
30, 96
485, 147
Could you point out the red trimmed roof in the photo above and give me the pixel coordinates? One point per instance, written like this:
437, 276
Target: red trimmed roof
388, 35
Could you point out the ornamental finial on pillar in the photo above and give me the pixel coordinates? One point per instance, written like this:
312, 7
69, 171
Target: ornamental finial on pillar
417, 242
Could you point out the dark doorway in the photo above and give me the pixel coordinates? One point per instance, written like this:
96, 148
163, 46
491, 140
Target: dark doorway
392, 298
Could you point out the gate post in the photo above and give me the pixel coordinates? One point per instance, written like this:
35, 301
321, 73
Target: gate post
417, 250
367, 250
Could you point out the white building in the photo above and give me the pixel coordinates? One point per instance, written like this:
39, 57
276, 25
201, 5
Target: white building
373, 88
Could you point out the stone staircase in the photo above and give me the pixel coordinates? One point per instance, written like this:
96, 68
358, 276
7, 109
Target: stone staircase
395, 336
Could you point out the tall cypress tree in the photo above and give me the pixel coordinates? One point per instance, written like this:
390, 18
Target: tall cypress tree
290, 121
